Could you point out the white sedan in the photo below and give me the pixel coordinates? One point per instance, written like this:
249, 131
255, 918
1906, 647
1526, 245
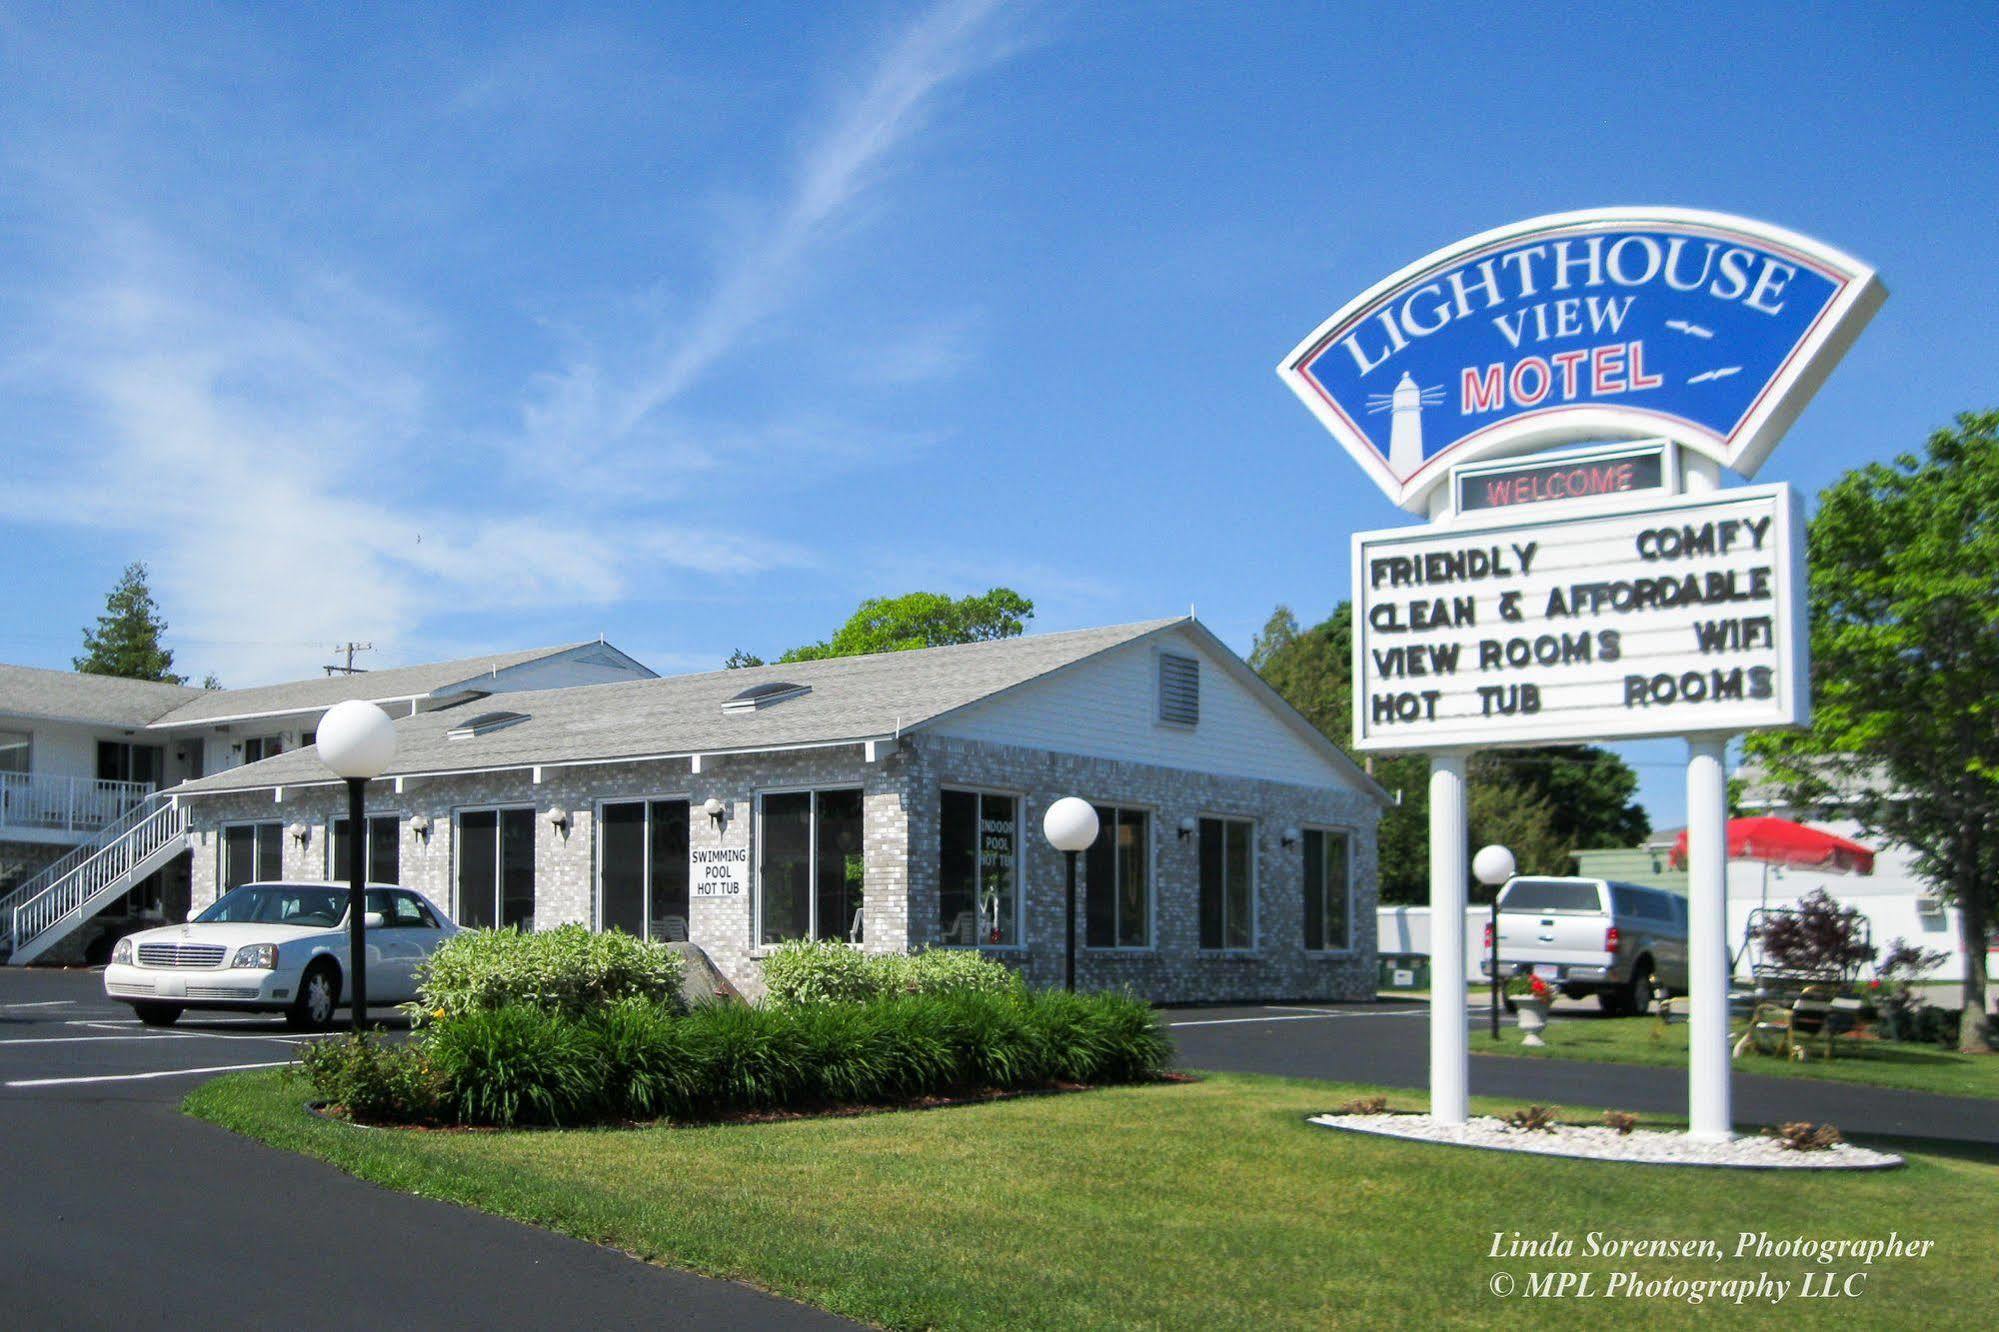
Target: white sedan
276, 947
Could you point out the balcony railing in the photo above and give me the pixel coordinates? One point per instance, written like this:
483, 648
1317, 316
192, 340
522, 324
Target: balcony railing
77, 805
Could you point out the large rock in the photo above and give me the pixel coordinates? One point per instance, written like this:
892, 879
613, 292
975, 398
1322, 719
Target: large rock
700, 981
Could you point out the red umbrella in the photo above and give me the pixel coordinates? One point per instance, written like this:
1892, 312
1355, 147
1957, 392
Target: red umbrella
1782, 842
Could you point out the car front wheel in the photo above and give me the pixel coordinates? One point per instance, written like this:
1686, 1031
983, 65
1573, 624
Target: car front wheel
157, 1015
318, 996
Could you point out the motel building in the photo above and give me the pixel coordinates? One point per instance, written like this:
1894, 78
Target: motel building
891, 801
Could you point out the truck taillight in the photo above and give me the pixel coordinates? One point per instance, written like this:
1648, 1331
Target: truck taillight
1488, 936
1610, 940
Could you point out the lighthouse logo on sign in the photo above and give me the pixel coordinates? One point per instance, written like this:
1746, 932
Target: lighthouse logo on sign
1709, 330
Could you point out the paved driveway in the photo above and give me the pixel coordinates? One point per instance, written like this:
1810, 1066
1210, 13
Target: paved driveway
1389, 1043
121, 1211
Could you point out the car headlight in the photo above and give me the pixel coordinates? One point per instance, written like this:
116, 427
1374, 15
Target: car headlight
121, 952
264, 957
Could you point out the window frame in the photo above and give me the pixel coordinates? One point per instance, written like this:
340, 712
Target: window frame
758, 947
27, 749
1151, 943
454, 910
222, 884
645, 871
1019, 799
1255, 826
368, 871
1347, 835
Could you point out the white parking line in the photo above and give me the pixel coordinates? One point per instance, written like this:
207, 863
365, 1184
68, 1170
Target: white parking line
1225, 1022
141, 1077
163, 1036
45, 1003
1306, 1016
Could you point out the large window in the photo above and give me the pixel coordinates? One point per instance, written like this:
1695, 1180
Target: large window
252, 853
122, 761
978, 869
1228, 883
258, 748
496, 867
1117, 884
1328, 890
14, 750
642, 867
810, 858
384, 864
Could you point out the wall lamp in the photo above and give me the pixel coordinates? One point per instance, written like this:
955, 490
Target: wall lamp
714, 809
558, 818
1289, 837
299, 833
420, 825
1187, 826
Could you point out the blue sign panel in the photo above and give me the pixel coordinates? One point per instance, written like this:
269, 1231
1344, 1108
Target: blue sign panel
1693, 326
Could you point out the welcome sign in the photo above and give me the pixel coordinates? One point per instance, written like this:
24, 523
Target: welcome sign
1710, 330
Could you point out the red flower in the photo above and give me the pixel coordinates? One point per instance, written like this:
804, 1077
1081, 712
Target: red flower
1538, 988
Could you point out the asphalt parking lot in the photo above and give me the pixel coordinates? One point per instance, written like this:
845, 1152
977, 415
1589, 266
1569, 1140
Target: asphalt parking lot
122, 1211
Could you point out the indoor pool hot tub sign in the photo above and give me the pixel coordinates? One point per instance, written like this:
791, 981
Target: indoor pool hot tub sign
1710, 330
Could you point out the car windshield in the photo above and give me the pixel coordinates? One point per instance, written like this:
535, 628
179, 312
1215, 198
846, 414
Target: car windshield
278, 904
1551, 895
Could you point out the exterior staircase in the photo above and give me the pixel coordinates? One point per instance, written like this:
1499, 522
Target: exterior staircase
44, 910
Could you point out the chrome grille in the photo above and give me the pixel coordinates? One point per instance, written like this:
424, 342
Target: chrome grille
184, 956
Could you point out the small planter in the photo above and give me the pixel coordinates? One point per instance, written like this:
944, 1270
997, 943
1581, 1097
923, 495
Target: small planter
1531, 1016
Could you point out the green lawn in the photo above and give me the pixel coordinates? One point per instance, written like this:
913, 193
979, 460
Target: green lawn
1210, 1204
1640, 1040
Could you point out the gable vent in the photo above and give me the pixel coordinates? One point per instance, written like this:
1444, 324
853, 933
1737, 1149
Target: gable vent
1179, 689
758, 697
486, 723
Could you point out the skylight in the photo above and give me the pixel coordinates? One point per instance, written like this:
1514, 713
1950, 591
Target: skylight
758, 697
486, 723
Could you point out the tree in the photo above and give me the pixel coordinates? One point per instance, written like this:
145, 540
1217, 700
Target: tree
740, 659
921, 620
1905, 673
1541, 803
127, 638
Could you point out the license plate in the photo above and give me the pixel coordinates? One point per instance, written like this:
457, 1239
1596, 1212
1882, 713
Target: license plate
1547, 970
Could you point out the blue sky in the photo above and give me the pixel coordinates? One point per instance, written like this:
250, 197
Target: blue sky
474, 327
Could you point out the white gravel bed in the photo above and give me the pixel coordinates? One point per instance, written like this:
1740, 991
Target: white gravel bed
1598, 1143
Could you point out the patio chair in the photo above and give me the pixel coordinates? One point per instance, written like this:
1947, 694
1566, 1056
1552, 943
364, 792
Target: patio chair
1791, 1029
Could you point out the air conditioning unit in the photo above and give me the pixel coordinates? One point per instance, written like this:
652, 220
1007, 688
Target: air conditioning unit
1929, 904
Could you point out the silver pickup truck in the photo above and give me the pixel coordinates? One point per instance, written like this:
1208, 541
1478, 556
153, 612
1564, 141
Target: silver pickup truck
1617, 941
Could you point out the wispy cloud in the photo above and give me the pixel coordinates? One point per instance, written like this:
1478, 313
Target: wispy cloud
284, 442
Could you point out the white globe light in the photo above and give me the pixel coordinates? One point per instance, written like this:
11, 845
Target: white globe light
1070, 824
1493, 865
356, 739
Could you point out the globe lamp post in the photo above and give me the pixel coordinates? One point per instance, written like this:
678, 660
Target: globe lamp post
1070, 825
356, 741
1493, 866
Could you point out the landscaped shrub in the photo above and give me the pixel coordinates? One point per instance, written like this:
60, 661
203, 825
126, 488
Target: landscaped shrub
818, 971
943, 971
570, 969
640, 1059
826, 971
517, 1065
373, 1082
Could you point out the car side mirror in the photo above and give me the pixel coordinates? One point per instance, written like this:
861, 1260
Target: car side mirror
373, 920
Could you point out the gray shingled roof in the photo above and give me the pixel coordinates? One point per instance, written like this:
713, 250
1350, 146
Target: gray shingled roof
852, 699
307, 695
110, 700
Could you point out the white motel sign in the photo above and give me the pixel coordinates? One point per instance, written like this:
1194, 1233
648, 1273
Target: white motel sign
1674, 617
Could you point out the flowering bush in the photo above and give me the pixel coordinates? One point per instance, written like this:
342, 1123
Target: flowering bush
1526, 985
569, 969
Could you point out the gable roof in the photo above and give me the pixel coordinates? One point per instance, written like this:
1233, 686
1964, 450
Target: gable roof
426, 680
108, 700
848, 700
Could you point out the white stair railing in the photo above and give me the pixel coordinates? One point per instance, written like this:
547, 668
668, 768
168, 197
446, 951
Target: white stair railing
50, 802
110, 865
42, 879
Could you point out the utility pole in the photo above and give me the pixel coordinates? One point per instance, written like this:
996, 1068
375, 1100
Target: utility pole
350, 648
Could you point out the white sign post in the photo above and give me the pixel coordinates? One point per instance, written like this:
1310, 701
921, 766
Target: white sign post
1605, 594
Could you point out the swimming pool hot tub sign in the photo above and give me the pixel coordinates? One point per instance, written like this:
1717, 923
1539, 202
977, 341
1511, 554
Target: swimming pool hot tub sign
1710, 330
1662, 617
